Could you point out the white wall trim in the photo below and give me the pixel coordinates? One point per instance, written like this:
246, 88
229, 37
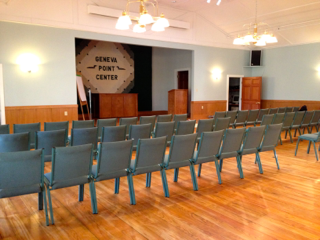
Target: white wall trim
240, 90
2, 104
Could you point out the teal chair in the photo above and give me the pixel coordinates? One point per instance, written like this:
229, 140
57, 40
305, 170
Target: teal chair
148, 119
297, 121
251, 143
270, 141
15, 142
105, 123
222, 124
52, 126
241, 119
307, 120
29, 127
83, 124
141, 131
208, 150
204, 125
5, 129
71, 166
252, 117
47, 140
267, 119
288, 109
22, 173
232, 115
164, 118
312, 138
144, 164
114, 162
127, 122
262, 112
295, 109
314, 121
278, 118
281, 110
287, 122
164, 129
185, 127
113, 133
177, 118
231, 144
181, 155
273, 110
218, 115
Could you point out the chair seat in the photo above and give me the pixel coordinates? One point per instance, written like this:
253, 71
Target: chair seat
249, 151
68, 183
4, 193
295, 126
111, 175
204, 159
309, 137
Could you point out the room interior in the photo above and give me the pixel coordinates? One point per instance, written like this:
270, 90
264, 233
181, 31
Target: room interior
200, 39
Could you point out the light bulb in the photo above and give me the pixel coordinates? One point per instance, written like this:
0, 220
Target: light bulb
139, 28
146, 18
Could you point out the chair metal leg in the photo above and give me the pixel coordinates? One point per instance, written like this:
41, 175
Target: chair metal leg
297, 147
276, 157
309, 131
131, 190
148, 180
218, 171
291, 140
40, 201
81, 192
199, 169
259, 163
299, 131
238, 158
309, 147
116, 185
50, 205
193, 177
164, 182
93, 196
280, 139
295, 132
303, 129
176, 174
221, 163
315, 150
285, 136
45, 205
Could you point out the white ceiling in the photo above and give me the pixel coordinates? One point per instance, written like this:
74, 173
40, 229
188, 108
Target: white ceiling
292, 21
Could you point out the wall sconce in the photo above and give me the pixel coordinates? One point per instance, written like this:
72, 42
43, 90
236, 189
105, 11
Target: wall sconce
28, 62
216, 74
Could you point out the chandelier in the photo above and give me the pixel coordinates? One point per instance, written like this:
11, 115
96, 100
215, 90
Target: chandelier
253, 37
159, 22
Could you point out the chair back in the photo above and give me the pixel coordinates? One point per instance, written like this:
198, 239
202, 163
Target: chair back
278, 118
298, 117
181, 150
70, 166
267, 119
164, 129
83, 124
295, 109
113, 133
252, 140
288, 109
185, 127
81, 136
262, 113
128, 122
52, 126
242, 117
113, 160
140, 131
288, 120
148, 119
5, 129
14, 142
281, 110
316, 117
179, 117
49, 139
164, 118
209, 146
231, 142
21, 173
204, 125
307, 118
218, 115
29, 127
156, 148
232, 115
271, 137
222, 124
252, 117
105, 123
273, 110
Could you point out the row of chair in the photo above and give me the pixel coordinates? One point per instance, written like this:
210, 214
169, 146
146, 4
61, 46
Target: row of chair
114, 161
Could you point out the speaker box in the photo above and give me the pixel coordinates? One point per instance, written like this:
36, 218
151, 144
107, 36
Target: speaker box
255, 58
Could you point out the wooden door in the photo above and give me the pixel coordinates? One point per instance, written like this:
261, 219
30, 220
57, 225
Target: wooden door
251, 93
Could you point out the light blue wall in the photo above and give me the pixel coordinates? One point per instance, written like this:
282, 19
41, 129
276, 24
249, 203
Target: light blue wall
290, 73
55, 84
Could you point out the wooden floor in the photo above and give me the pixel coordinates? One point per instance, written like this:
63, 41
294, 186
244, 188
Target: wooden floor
279, 204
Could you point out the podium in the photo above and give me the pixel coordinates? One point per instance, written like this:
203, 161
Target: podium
178, 101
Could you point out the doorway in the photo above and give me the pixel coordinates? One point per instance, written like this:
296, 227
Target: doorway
183, 83
234, 92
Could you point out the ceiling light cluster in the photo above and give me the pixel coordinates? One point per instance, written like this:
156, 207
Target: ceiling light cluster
159, 22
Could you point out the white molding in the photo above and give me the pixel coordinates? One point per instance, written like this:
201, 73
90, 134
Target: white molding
240, 90
2, 104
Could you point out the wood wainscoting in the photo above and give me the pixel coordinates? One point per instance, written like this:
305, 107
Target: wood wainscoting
202, 109
33, 114
311, 105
